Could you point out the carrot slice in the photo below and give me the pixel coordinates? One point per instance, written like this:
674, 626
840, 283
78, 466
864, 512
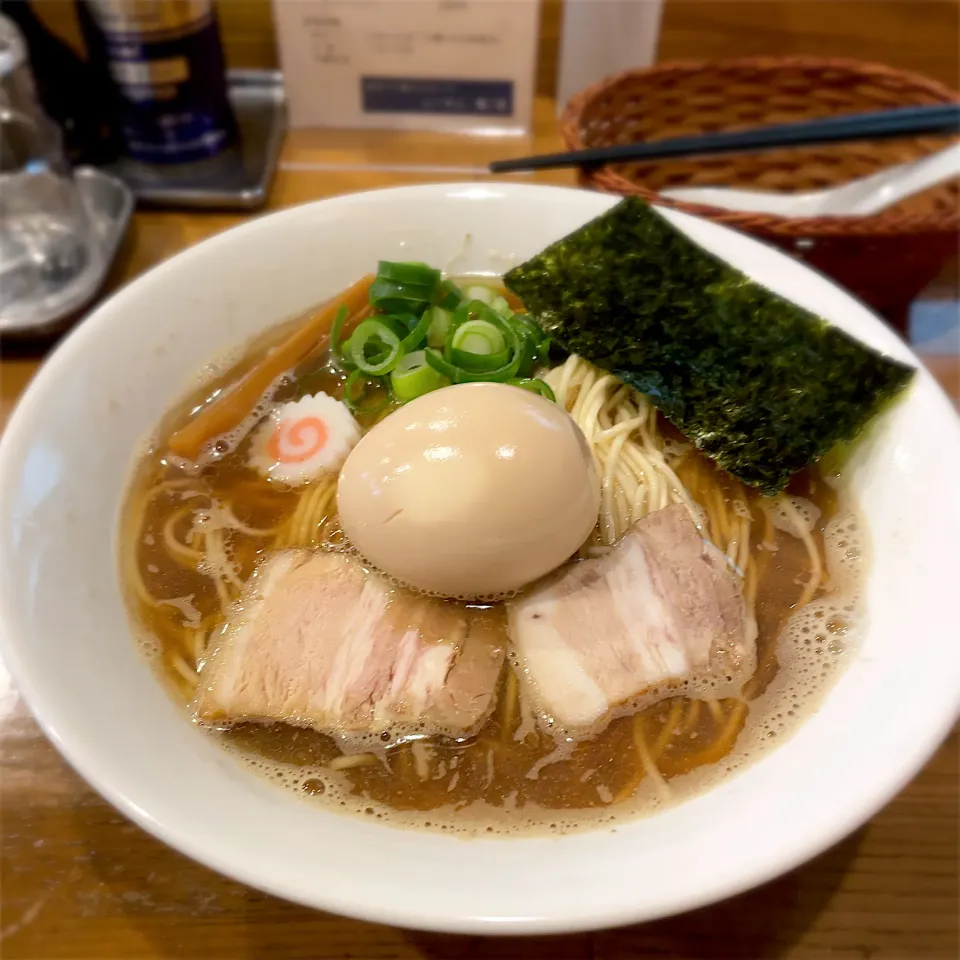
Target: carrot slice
229, 408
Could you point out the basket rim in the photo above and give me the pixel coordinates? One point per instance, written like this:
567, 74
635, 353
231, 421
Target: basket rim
610, 181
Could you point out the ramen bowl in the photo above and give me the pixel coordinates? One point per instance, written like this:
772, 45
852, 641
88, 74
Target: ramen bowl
65, 463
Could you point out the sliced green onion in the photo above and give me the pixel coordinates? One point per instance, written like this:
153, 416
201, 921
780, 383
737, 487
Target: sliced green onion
390, 306
477, 362
411, 272
336, 348
480, 292
447, 295
502, 307
528, 358
406, 319
440, 320
458, 375
413, 376
374, 347
475, 310
525, 326
354, 399
534, 385
398, 323
474, 317
393, 297
534, 344
481, 343
478, 336
417, 335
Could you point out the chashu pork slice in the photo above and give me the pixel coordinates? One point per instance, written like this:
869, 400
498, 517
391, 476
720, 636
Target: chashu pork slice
662, 606
318, 641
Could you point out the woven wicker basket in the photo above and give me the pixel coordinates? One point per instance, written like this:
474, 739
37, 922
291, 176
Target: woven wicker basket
886, 259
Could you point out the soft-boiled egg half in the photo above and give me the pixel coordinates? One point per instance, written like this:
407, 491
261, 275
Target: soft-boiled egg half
470, 491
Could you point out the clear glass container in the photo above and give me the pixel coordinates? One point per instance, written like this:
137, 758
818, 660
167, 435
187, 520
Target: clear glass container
48, 253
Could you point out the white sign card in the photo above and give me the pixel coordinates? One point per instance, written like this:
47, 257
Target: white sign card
458, 65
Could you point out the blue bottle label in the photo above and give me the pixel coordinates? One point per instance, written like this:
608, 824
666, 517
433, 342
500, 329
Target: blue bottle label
166, 59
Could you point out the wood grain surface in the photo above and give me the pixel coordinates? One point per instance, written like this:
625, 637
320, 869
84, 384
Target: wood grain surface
79, 882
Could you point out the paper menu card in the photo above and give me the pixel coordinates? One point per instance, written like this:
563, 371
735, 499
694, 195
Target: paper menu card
409, 64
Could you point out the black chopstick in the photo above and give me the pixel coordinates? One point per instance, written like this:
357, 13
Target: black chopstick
901, 122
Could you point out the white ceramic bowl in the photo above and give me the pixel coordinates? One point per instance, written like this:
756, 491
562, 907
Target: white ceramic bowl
64, 464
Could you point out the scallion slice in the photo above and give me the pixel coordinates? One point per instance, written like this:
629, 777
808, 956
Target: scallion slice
356, 390
535, 345
374, 347
475, 310
477, 362
391, 296
447, 295
502, 307
413, 376
405, 318
458, 375
336, 348
477, 336
526, 326
439, 326
480, 292
480, 345
534, 385
412, 272
427, 332
417, 335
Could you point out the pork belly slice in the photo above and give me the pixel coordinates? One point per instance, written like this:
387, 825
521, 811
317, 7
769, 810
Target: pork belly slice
318, 641
662, 606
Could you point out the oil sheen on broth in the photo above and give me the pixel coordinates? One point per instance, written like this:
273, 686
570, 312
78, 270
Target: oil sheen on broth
193, 533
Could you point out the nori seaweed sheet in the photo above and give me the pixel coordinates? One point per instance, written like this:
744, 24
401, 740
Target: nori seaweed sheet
759, 384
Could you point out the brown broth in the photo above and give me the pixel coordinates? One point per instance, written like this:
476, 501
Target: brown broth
506, 766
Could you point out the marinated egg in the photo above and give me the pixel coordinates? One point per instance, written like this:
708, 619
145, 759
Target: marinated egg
469, 491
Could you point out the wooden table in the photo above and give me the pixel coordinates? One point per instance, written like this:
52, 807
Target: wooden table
79, 881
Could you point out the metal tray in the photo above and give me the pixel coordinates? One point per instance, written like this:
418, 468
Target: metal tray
109, 204
240, 177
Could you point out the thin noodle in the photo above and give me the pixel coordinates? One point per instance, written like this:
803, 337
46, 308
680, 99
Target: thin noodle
619, 426
217, 558
186, 671
223, 594
649, 765
719, 747
743, 561
670, 727
351, 761
511, 696
567, 371
184, 555
134, 521
235, 524
690, 717
312, 511
816, 566
199, 645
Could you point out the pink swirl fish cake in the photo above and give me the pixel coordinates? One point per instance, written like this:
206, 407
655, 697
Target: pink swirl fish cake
303, 440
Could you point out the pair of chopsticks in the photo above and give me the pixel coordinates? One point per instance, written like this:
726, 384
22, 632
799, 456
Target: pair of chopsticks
941, 118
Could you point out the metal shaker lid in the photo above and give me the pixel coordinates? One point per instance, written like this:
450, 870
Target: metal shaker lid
13, 49
17, 89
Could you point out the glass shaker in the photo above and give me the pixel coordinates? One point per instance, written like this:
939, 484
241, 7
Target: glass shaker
48, 252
